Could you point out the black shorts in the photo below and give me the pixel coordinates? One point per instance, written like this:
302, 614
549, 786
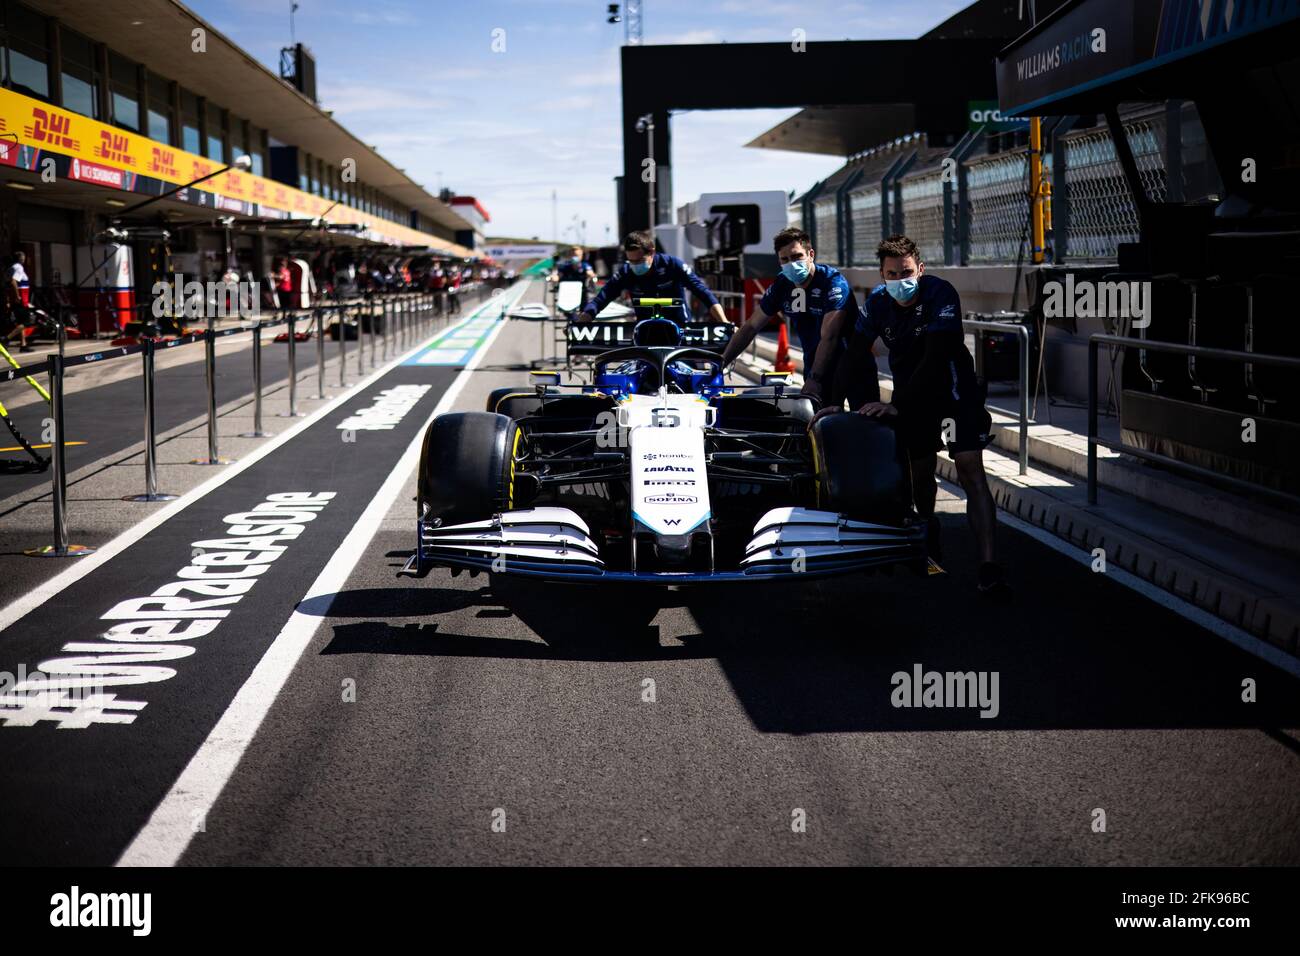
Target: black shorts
967, 424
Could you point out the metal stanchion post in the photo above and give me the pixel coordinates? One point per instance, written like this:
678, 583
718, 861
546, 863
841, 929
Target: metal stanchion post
374, 329
1024, 399
210, 375
1092, 421
58, 473
151, 492
320, 354
386, 328
340, 315
293, 372
363, 316
257, 431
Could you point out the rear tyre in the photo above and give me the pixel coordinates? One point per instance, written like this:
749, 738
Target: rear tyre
467, 467
520, 401
495, 396
517, 405
860, 470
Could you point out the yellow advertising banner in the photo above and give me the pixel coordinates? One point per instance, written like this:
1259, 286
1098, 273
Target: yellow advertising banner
105, 153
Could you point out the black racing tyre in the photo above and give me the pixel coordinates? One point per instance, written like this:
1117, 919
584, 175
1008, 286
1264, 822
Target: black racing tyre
560, 413
522, 402
497, 394
467, 466
860, 470
516, 405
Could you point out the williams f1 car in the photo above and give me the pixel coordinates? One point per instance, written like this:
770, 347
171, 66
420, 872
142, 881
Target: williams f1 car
659, 472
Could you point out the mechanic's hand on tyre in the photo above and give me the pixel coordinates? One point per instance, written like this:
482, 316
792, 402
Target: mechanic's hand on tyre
878, 410
828, 410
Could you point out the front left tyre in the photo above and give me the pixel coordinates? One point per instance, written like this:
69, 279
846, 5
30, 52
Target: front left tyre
467, 467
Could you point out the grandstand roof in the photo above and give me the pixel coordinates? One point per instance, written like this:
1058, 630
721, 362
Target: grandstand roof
844, 130
157, 33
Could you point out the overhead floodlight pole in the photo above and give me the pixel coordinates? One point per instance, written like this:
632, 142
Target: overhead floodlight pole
632, 23
646, 124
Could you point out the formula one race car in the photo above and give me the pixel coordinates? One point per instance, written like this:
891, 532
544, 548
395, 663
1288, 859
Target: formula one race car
659, 472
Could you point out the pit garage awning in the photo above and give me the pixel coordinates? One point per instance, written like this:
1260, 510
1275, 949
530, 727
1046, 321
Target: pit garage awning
838, 130
1091, 54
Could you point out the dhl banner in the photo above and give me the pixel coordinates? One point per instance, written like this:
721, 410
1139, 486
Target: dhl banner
115, 158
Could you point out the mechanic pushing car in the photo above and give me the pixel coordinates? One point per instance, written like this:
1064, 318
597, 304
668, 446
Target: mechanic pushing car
651, 274
937, 396
817, 300
574, 268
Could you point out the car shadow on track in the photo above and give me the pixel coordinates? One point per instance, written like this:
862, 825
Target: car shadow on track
505, 367
573, 623
1074, 650
394, 602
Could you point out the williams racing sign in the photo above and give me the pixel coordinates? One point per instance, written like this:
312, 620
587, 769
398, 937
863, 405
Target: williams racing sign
592, 338
1079, 45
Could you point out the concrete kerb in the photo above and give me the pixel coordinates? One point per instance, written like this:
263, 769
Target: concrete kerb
1273, 617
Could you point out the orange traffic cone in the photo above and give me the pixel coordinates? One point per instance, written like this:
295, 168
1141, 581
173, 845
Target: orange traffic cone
783, 363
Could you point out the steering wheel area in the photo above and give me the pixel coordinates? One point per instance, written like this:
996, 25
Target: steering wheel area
665, 365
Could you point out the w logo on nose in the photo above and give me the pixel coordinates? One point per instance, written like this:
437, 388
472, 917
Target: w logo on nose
672, 522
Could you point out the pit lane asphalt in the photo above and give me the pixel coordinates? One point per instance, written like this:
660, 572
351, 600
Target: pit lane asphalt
80, 795
474, 696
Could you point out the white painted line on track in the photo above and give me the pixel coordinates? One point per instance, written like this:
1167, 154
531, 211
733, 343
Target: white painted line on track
1220, 628
80, 567
164, 838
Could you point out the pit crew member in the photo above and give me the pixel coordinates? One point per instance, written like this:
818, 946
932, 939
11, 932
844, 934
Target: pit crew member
650, 274
816, 299
937, 396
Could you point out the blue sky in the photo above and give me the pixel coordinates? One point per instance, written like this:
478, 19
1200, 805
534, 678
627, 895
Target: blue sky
419, 80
